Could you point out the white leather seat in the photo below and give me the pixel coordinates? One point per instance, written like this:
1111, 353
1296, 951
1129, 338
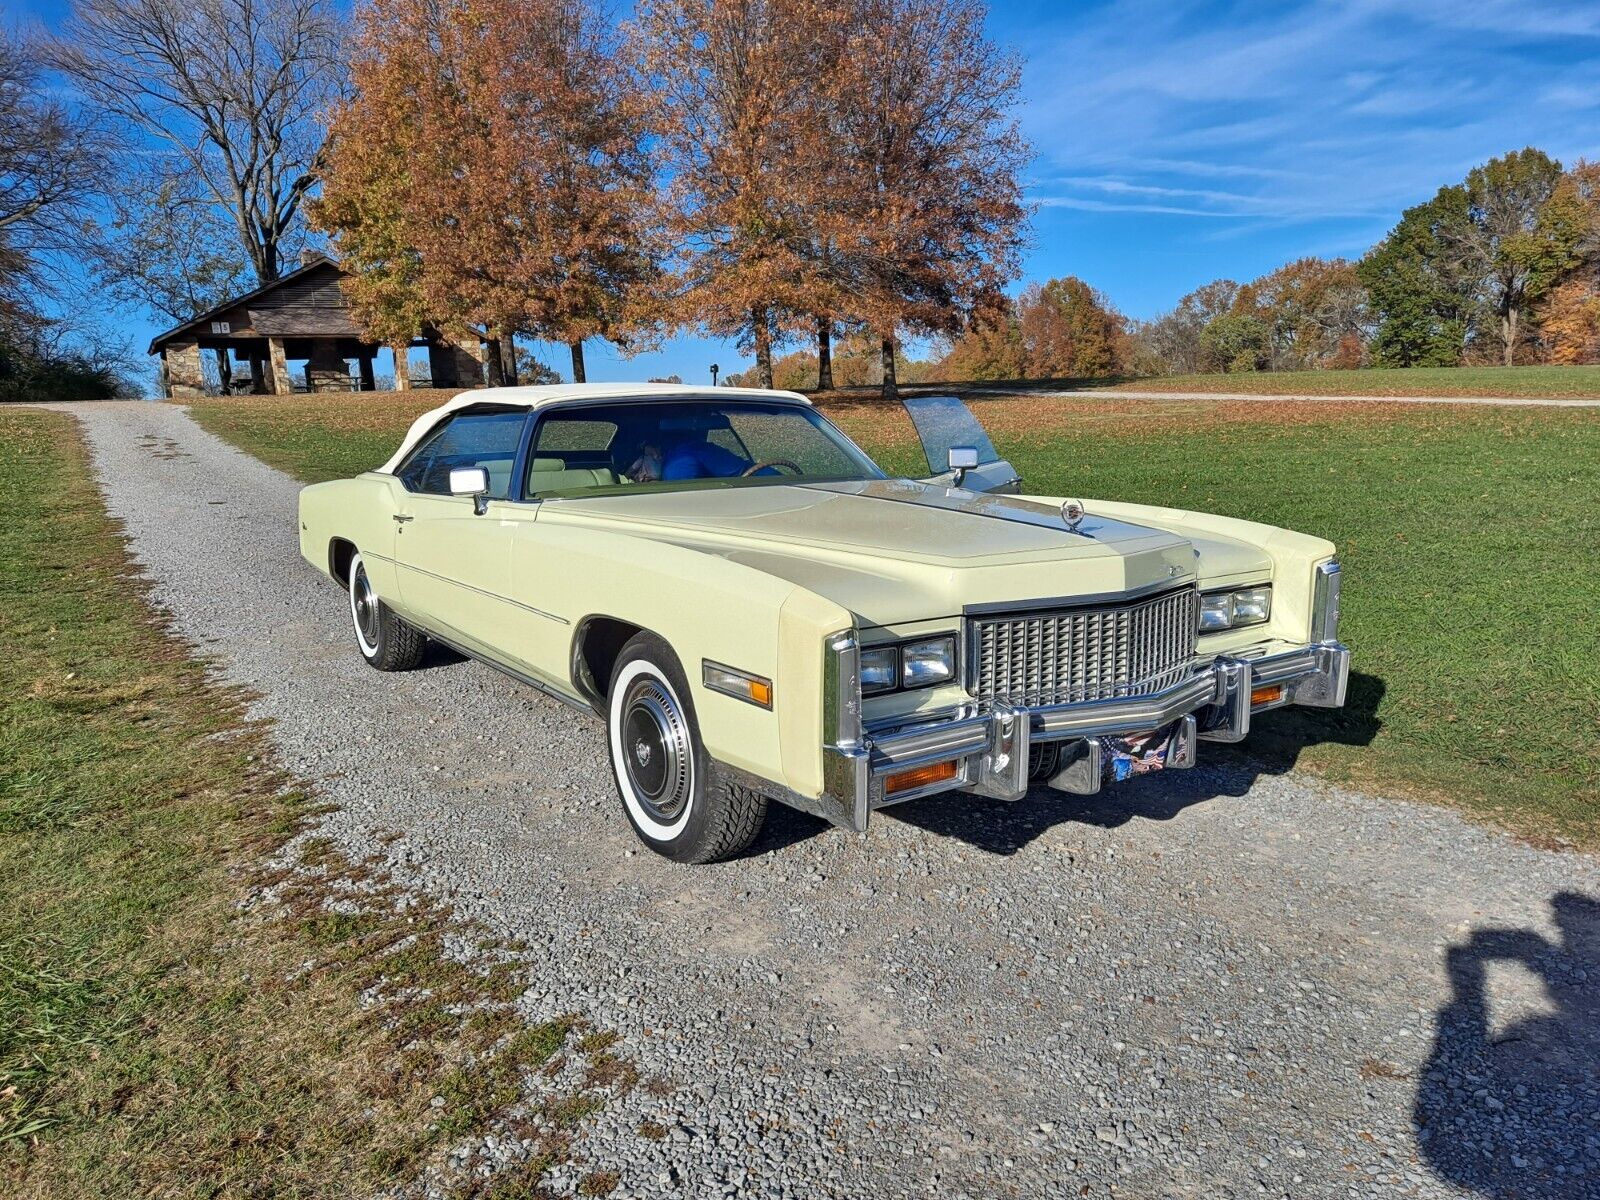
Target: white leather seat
553, 475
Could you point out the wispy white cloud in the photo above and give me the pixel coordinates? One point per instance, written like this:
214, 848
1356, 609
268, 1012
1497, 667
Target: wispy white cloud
1339, 111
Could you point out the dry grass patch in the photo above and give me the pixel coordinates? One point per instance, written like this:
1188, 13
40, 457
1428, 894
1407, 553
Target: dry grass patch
195, 998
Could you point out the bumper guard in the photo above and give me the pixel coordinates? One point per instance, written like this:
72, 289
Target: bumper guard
993, 744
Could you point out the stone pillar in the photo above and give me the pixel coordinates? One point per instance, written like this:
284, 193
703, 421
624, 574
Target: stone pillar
452, 364
402, 367
281, 383
327, 371
185, 375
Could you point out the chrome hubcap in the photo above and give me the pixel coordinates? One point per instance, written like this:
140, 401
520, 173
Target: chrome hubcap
655, 741
365, 604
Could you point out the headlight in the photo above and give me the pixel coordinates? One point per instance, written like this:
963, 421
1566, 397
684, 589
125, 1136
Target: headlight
925, 663
920, 663
1231, 610
880, 670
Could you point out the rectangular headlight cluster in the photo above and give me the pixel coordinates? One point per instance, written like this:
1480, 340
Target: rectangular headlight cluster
1230, 610
918, 663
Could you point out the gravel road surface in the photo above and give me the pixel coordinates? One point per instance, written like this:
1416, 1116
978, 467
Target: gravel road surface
1213, 983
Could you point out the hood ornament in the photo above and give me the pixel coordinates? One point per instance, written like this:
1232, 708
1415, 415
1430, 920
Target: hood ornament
1072, 513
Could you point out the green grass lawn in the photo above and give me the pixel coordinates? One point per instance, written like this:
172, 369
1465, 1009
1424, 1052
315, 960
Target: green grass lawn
164, 1031
1546, 382
1466, 533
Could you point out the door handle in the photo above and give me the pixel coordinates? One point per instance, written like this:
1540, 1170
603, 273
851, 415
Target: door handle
402, 518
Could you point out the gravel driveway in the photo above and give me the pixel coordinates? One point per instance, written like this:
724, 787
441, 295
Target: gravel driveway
1210, 983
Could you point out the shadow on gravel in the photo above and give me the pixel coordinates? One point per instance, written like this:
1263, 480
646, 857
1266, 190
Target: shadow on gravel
1273, 748
438, 655
1509, 1102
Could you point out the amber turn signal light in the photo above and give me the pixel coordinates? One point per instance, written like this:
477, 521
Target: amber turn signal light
1266, 695
916, 777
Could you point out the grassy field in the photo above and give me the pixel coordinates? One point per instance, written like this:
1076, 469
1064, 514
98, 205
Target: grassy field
1547, 382
179, 1018
1462, 530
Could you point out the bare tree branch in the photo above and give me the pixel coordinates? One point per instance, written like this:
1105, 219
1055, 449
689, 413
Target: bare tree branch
235, 88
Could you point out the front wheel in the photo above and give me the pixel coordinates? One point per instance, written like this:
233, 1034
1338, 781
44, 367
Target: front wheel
669, 786
385, 641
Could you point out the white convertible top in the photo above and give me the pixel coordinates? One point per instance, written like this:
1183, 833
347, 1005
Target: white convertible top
556, 393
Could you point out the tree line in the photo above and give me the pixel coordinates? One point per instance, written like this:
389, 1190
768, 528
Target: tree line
841, 176
1503, 267
765, 170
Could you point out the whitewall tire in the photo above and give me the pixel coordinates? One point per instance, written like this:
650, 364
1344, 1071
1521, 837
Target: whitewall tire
385, 641
671, 790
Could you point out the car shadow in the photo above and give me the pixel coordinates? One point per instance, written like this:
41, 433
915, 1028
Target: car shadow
1273, 747
439, 655
1508, 1105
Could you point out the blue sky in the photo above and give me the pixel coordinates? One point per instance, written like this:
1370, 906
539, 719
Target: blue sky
1180, 142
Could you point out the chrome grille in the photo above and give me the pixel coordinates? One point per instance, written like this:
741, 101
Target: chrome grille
1071, 655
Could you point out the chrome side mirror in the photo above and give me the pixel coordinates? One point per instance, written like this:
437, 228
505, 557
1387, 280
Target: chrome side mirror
962, 459
471, 481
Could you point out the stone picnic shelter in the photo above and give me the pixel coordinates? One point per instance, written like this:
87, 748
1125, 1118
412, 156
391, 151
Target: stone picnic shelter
303, 317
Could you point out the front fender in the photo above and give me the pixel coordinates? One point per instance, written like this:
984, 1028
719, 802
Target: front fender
705, 607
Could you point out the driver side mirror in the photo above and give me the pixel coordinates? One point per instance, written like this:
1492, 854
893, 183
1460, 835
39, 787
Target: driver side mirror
961, 460
471, 481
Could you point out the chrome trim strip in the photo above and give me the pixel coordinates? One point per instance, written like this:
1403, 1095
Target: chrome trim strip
1325, 602
538, 612
520, 676
1048, 605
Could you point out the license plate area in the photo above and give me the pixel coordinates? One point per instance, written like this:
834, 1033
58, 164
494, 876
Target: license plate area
1145, 753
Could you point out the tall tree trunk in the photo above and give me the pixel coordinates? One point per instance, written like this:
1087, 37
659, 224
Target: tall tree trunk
891, 389
763, 339
824, 354
493, 376
577, 363
508, 356
1508, 331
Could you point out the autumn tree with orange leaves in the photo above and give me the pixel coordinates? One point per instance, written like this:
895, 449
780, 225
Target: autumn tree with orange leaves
739, 124
490, 171
925, 215
834, 162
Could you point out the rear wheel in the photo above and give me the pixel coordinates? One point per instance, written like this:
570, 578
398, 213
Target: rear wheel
385, 641
670, 788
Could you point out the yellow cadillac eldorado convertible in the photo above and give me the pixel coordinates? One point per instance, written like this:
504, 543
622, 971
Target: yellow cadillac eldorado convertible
759, 612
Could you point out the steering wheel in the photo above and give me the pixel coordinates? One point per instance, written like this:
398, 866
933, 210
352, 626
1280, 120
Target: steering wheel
772, 462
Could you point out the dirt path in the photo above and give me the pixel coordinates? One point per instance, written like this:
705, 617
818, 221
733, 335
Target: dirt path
1204, 984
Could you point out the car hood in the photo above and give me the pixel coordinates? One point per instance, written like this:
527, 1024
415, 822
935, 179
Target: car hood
895, 551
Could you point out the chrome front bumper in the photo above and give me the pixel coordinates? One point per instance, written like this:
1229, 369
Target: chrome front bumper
992, 744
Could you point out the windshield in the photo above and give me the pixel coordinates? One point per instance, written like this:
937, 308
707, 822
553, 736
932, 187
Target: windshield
673, 445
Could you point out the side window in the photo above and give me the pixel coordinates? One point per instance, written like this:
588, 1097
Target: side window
470, 439
572, 451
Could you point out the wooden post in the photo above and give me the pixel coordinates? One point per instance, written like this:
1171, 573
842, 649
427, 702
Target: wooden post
282, 385
258, 374
368, 383
224, 370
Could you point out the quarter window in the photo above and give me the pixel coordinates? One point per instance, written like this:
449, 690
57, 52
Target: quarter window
470, 439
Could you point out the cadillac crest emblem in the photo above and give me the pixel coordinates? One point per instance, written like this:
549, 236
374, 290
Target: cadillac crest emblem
1072, 513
